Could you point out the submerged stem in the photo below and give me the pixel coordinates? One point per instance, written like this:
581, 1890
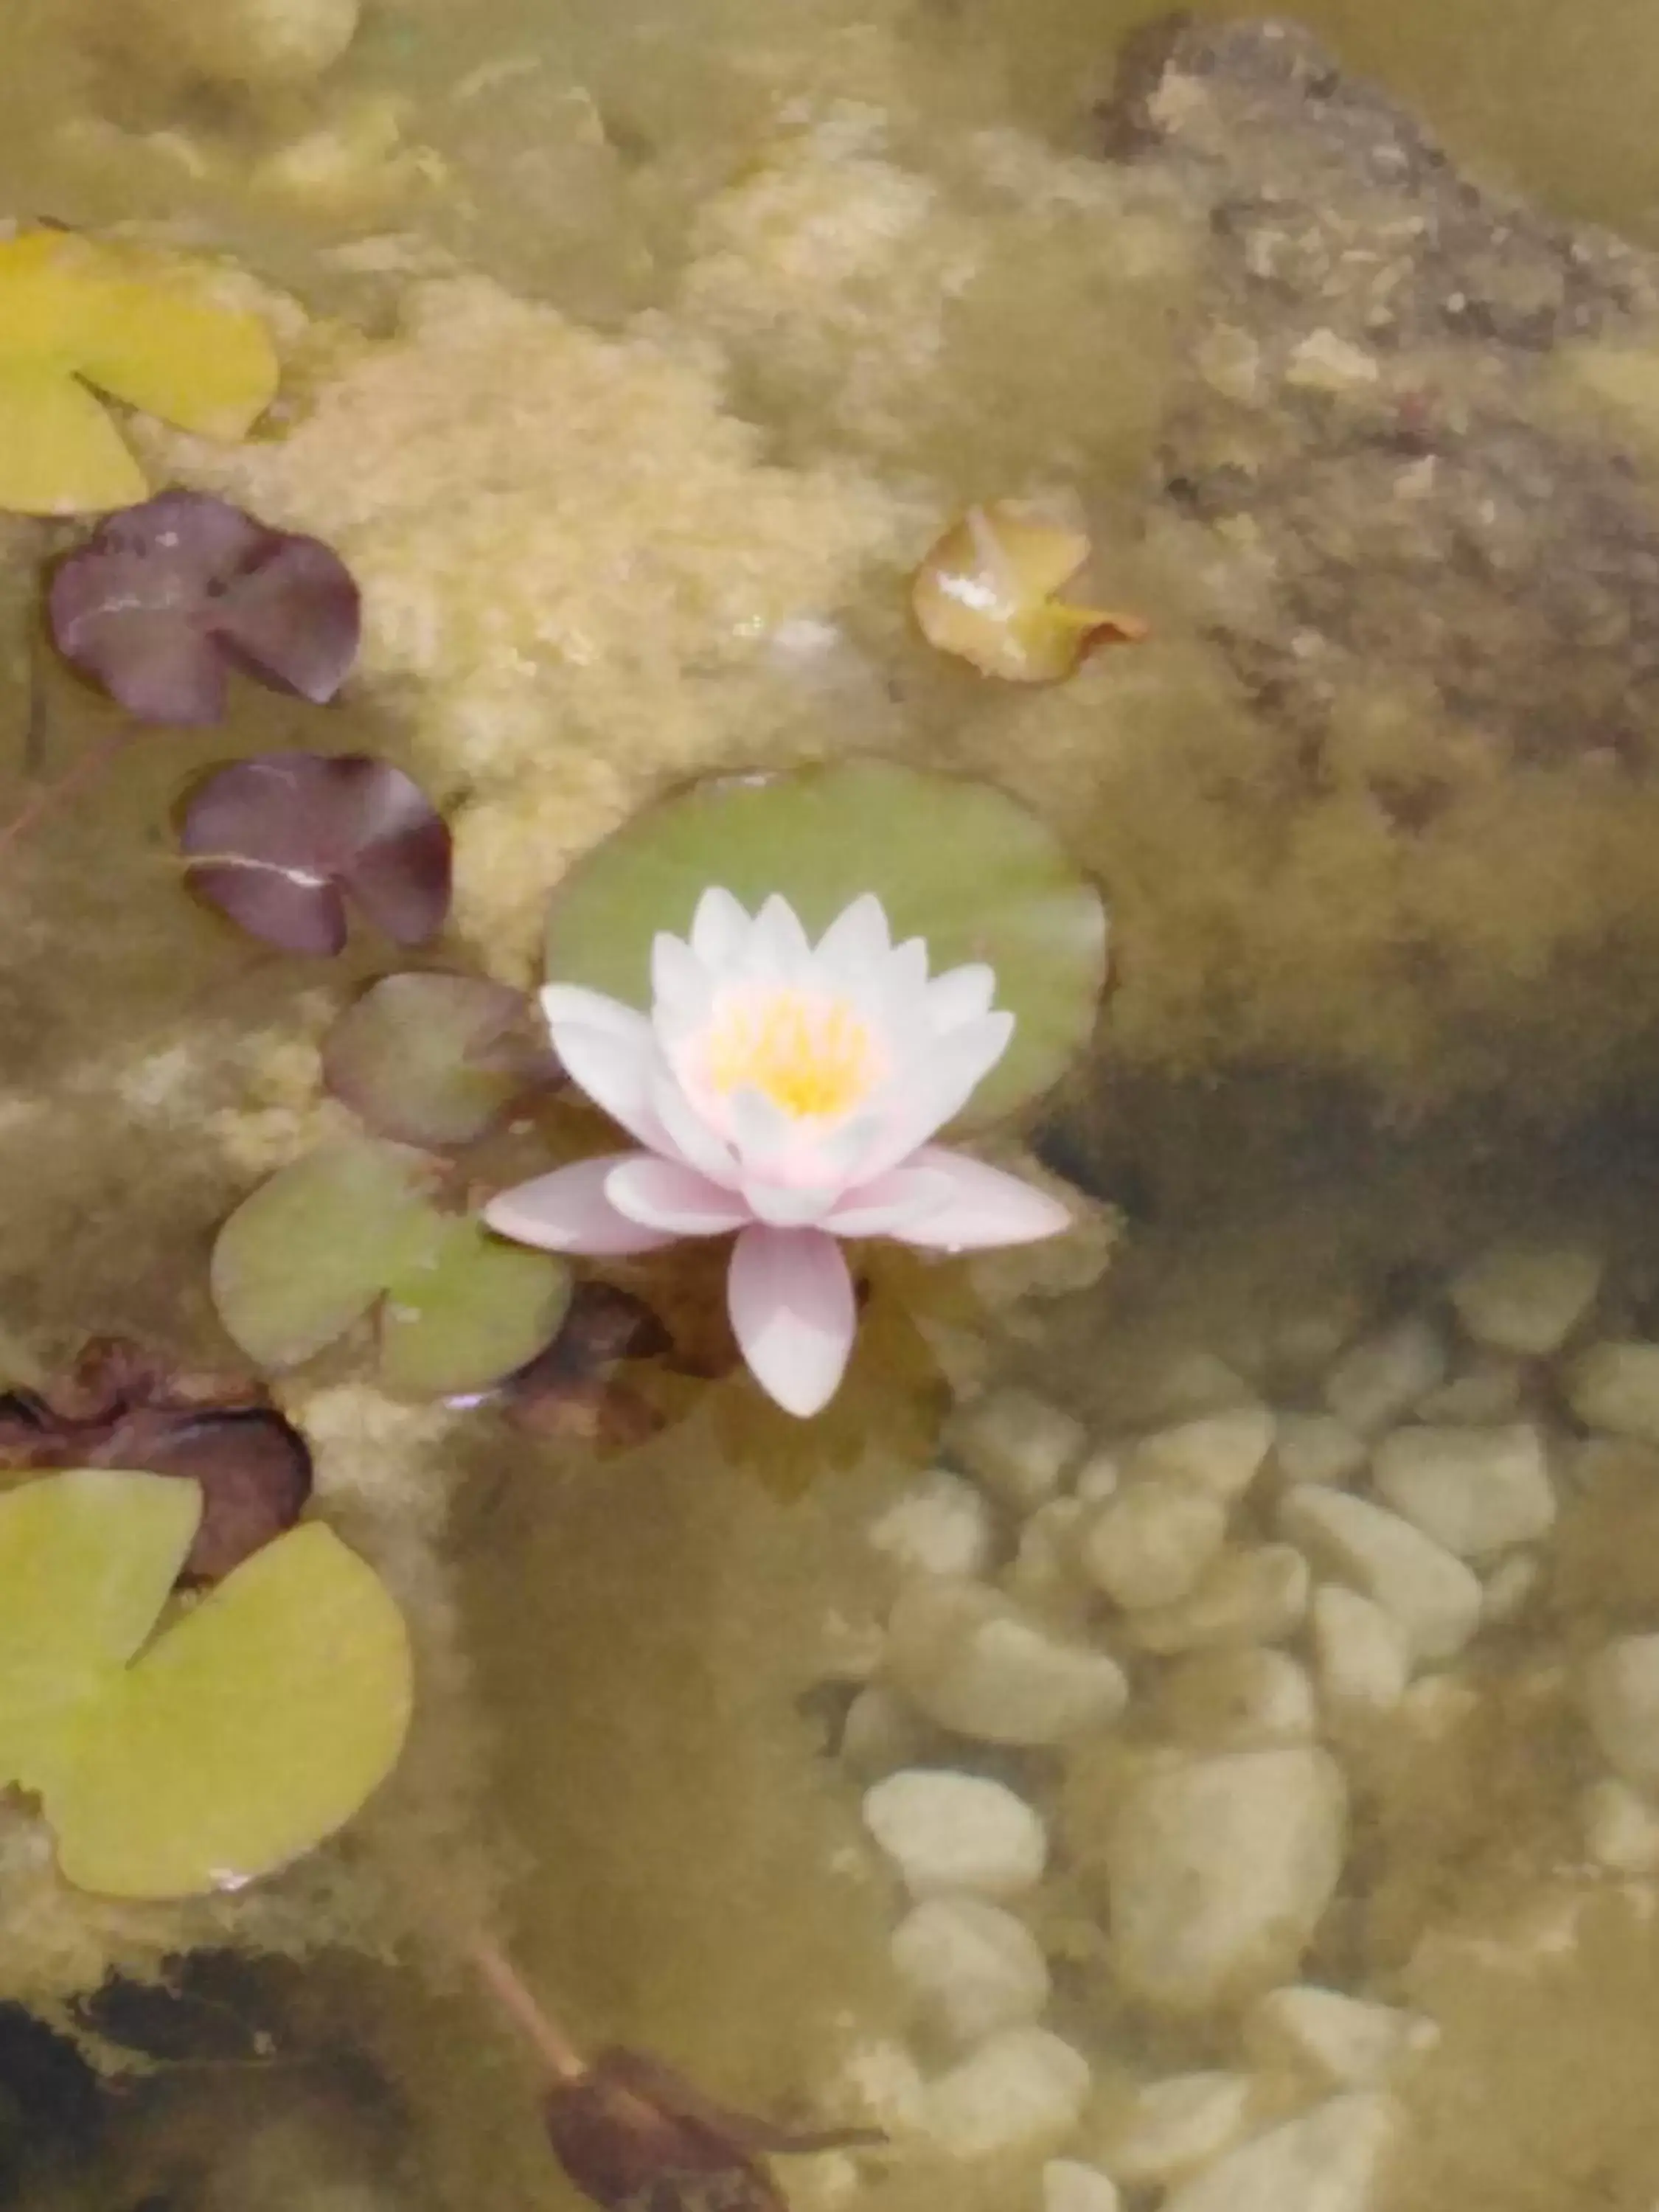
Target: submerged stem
564, 2061
48, 795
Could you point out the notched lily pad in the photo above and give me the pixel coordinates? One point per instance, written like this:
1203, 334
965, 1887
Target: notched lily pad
164, 599
284, 843
327, 1240
959, 864
437, 1060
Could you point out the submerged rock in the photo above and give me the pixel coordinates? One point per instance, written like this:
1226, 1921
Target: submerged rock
1329, 2160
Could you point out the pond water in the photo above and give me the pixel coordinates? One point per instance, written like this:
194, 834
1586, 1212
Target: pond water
635, 355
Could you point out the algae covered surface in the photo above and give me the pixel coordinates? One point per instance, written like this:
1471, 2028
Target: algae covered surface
632, 359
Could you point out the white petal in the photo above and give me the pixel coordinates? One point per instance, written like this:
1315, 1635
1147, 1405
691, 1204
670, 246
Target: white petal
687, 1131
985, 1208
906, 971
794, 1312
856, 944
681, 985
961, 995
663, 1194
886, 1207
569, 1002
777, 942
935, 1089
719, 927
568, 1212
787, 1205
615, 1068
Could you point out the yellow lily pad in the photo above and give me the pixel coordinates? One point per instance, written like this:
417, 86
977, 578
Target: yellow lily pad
139, 328
86, 1560
987, 591
250, 1732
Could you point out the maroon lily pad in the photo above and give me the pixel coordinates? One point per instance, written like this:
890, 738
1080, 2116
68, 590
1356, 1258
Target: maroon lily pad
120, 1408
280, 844
163, 599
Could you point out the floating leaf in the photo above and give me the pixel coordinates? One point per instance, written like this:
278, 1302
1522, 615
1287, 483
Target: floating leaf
472, 1309
120, 1408
571, 1390
141, 329
312, 1248
436, 1059
250, 1731
279, 844
163, 598
987, 591
318, 1246
957, 863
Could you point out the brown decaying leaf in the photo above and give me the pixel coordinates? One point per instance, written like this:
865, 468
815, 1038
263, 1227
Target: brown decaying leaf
570, 1391
988, 590
635, 2136
120, 1406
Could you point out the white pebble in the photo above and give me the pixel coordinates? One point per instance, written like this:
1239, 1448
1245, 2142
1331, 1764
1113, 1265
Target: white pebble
1527, 1299
1022, 2088
1615, 1386
1020, 1446
941, 1527
1170, 2129
1508, 1589
1621, 1697
1218, 1870
881, 1731
882, 2078
1247, 1596
1249, 1700
946, 1832
1475, 1490
1330, 2160
1150, 1544
1316, 1448
1326, 362
1068, 2186
257, 42
1621, 1827
1219, 1453
1188, 1384
1099, 1478
1045, 1572
1360, 1653
968, 1658
1345, 2043
1383, 1376
970, 1968
1487, 1391
1430, 1592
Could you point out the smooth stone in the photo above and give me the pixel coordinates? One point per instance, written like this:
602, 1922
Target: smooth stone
1219, 1453
1430, 1592
1068, 2186
1170, 2129
1330, 2160
969, 1659
943, 1526
1019, 1446
1361, 1655
1248, 1596
1045, 1572
882, 1731
249, 42
1383, 1376
1188, 1385
1100, 1477
947, 1831
1022, 2088
1316, 1448
1150, 1544
969, 1968
1527, 1299
1615, 1386
1510, 1589
1621, 1827
1345, 2043
1475, 1490
1249, 1700
1479, 1396
1622, 1698
1218, 1870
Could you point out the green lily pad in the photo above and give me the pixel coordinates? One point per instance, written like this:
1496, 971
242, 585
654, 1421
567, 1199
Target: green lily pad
431, 1059
957, 863
472, 1310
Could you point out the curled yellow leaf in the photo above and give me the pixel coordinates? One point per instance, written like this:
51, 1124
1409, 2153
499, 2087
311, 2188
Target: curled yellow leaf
988, 593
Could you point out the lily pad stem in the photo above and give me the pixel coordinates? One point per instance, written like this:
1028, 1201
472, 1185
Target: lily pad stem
48, 795
549, 2040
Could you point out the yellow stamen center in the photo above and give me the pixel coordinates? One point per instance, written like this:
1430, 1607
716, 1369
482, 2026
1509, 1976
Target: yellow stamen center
810, 1054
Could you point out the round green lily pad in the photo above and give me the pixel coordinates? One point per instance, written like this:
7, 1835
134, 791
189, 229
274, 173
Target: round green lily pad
421, 1056
959, 864
472, 1310
310, 1251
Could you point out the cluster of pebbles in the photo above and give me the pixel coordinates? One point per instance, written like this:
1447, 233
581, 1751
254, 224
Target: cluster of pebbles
1215, 1613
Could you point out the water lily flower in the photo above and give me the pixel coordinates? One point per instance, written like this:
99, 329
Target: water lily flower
789, 1091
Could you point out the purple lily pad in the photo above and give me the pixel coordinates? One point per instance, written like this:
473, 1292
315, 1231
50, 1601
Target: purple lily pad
280, 844
164, 599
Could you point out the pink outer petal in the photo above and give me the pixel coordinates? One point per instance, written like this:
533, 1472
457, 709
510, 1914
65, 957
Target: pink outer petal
885, 1206
568, 1212
985, 1208
791, 1305
663, 1194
